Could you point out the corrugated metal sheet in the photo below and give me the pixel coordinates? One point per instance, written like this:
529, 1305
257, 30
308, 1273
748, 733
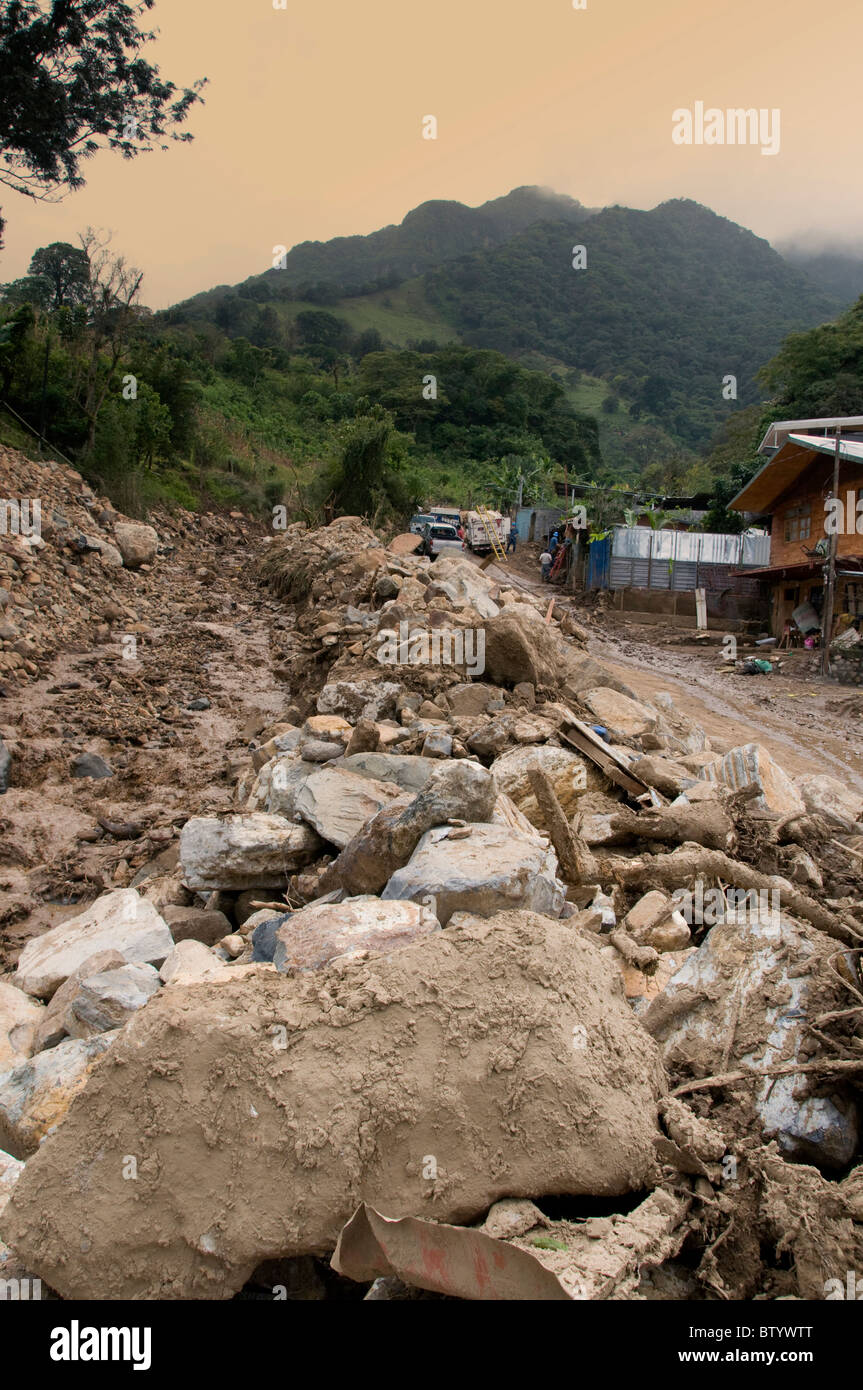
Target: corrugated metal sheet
642, 558
693, 547
598, 564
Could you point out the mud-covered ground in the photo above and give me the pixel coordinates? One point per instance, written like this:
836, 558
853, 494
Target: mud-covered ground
205, 633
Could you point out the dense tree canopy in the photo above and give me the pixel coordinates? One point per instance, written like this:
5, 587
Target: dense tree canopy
72, 81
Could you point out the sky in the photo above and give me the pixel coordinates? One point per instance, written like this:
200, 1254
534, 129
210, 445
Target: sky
313, 123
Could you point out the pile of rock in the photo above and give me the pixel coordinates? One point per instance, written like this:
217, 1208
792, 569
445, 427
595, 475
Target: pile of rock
453, 944
64, 557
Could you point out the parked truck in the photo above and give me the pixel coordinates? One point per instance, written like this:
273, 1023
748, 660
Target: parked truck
476, 535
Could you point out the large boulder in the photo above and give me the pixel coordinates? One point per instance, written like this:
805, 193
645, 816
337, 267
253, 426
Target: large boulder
493, 1059
314, 935
36, 1096
570, 774
406, 770
121, 921
826, 796
277, 785
54, 1024
620, 715
482, 869
464, 584
108, 999
338, 803
458, 790
252, 851
136, 542
752, 766
519, 646
367, 699
745, 1000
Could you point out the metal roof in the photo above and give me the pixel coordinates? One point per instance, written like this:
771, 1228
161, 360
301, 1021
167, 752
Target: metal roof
779, 431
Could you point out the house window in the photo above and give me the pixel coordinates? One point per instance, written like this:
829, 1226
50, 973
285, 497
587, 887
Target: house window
798, 522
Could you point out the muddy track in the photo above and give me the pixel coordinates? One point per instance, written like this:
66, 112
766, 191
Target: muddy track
790, 714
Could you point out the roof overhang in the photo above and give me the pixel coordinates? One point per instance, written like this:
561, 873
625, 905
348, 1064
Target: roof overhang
804, 569
781, 471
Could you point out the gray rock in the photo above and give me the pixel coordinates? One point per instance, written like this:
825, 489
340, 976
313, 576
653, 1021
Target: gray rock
249, 851
744, 1000
406, 770
371, 699
120, 921
457, 790
437, 744
316, 750
35, 1097
338, 803
277, 784
90, 765
108, 1000
459, 580
53, 1025
483, 869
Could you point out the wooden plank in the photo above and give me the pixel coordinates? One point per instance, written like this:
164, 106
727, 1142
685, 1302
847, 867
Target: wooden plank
701, 608
581, 737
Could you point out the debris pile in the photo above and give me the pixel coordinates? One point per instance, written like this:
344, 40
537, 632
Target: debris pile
484, 937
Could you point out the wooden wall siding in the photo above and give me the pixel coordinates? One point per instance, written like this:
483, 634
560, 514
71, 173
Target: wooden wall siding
810, 490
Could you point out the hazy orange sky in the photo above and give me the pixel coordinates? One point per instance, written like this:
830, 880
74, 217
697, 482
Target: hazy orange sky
312, 123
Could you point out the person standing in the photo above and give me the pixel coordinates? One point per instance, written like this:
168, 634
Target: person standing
545, 560
512, 539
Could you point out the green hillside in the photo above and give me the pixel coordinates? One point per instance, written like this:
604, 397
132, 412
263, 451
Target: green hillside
670, 303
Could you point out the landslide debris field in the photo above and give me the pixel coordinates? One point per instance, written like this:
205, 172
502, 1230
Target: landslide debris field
331, 978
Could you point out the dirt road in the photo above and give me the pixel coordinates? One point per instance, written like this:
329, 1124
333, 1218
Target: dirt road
790, 714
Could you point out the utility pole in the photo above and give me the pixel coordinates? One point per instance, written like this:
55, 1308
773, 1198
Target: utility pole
830, 573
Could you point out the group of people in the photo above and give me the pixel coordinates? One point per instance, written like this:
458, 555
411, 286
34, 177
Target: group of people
546, 559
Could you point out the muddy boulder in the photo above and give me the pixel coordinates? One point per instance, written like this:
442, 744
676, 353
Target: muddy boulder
494, 1059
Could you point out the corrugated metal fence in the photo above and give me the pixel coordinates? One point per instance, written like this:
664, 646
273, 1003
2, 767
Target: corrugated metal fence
642, 558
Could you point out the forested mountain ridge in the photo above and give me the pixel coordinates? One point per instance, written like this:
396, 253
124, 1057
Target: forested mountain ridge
666, 304
669, 303
429, 235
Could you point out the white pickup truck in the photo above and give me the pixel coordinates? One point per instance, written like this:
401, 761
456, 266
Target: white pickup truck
444, 540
